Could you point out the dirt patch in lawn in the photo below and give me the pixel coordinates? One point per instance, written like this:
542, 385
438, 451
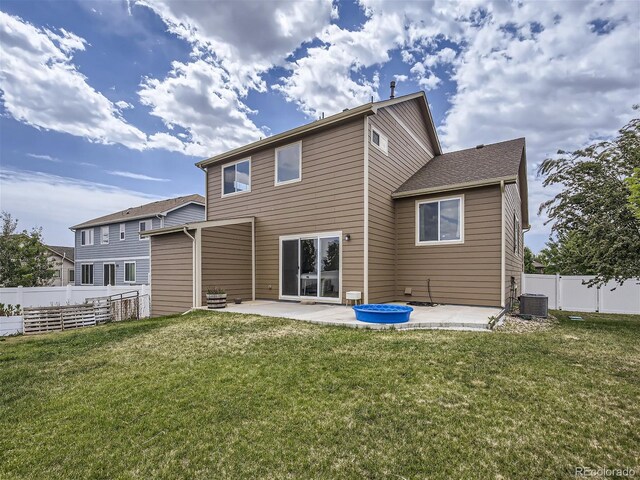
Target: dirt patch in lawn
513, 324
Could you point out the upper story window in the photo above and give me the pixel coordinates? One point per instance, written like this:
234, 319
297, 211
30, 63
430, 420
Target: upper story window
144, 226
440, 221
236, 177
122, 235
86, 237
104, 235
379, 141
289, 164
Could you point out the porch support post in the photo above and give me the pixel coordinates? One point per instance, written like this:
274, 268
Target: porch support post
253, 258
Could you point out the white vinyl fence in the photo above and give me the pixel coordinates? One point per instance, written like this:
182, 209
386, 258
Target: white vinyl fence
570, 293
61, 296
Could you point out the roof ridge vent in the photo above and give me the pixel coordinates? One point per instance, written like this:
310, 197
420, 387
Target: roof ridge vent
478, 147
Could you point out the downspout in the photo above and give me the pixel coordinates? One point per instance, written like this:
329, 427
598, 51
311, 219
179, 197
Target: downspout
502, 247
193, 266
366, 212
161, 218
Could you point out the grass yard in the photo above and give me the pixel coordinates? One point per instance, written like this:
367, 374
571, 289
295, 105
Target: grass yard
213, 395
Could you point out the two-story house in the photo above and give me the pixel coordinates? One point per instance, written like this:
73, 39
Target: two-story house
109, 250
61, 260
364, 200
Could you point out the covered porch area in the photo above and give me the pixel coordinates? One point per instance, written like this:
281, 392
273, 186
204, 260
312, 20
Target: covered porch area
186, 260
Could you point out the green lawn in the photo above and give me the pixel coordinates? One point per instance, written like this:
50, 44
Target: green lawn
228, 396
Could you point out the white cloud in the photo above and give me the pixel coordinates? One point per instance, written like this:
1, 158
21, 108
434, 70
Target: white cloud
42, 87
122, 105
560, 87
48, 158
233, 46
60, 202
136, 176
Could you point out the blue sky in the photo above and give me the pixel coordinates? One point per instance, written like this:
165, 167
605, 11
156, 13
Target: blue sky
106, 105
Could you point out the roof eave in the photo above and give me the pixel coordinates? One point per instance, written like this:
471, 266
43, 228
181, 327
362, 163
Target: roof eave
366, 109
456, 186
196, 226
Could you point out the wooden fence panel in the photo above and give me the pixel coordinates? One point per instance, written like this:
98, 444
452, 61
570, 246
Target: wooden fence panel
41, 320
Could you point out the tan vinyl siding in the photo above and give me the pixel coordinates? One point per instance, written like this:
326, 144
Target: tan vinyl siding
226, 260
329, 198
386, 174
513, 260
465, 274
171, 274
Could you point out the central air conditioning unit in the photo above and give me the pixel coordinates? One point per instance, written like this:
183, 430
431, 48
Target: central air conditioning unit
534, 304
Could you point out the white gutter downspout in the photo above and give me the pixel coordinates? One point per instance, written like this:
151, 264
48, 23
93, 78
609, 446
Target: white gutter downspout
502, 247
366, 211
253, 259
193, 267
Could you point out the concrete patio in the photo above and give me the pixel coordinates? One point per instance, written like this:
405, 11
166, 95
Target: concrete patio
450, 317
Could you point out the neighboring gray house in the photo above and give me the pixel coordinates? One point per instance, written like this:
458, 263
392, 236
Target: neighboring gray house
62, 260
109, 249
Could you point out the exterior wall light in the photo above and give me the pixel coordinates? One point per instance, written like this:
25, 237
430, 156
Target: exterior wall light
347, 237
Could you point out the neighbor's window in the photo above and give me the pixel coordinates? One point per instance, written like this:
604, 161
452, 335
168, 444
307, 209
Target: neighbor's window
236, 177
379, 141
144, 226
87, 274
72, 275
122, 231
86, 237
289, 163
439, 221
104, 235
129, 271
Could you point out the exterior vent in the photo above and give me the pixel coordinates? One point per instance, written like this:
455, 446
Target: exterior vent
478, 147
534, 304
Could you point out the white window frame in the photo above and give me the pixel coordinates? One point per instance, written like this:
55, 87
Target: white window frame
135, 272
123, 234
88, 237
275, 173
439, 242
146, 222
102, 231
230, 164
384, 141
93, 272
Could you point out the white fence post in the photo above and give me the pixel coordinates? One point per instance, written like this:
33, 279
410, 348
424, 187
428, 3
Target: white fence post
68, 294
523, 283
109, 290
19, 297
558, 292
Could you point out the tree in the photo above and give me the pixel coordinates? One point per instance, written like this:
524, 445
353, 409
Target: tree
594, 223
529, 257
634, 187
23, 257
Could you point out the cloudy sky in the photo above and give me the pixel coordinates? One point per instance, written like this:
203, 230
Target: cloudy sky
107, 104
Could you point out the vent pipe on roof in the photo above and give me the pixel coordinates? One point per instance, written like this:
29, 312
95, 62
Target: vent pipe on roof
478, 147
393, 89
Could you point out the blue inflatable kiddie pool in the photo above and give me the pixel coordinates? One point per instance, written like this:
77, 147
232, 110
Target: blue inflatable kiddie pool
379, 313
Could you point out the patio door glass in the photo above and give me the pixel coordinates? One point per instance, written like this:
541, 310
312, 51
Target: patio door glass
289, 275
109, 274
310, 267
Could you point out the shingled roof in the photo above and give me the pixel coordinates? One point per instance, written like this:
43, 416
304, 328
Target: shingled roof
65, 252
142, 211
473, 166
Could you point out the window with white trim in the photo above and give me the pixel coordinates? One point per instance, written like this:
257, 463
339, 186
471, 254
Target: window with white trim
440, 221
104, 235
130, 272
122, 234
86, 237
236, 177
144, 226
87, 274
379, 141
289, 164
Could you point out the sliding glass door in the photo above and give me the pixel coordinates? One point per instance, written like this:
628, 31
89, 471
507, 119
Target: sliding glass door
310, 267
